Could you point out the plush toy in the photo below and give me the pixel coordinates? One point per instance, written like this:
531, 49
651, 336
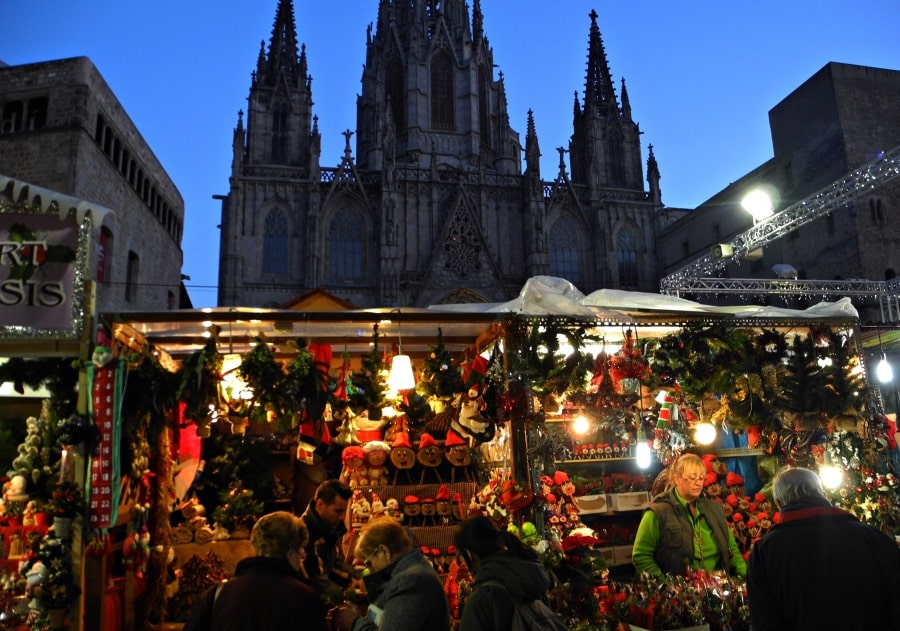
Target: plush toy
354, 473
392, 509
377, 452
360, 510
430, 456
402, 456
470, 419
378, 509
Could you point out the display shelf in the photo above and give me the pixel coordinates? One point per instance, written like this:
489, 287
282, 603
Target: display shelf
597, 460
737, 452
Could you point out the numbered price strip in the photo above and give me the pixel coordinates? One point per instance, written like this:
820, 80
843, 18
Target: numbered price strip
107, 384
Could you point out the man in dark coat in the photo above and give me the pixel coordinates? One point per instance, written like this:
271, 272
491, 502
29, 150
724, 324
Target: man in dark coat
820, 567
324, 518
269, 590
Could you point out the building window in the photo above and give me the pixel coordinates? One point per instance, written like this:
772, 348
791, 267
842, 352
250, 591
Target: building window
394, 90
13, 112
279, 133
275, 235
626, 257
345, 245
131, 276
104, 255
876, 210
562, 244
483, 96
442, 116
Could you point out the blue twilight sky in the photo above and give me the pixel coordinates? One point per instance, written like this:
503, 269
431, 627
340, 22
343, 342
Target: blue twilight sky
701, 76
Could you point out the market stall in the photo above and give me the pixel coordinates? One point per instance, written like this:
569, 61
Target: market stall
554, 414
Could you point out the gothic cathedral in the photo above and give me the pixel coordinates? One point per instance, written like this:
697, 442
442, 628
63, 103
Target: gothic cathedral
434, 205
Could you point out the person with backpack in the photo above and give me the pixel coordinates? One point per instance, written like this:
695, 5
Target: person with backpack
510, 583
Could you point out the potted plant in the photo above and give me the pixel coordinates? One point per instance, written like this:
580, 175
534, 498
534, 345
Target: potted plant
238, 511
66, 502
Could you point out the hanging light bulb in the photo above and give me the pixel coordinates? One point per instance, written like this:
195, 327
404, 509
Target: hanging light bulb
883, 370
581, 425
642, 452
832, 477
401, 377
705, 433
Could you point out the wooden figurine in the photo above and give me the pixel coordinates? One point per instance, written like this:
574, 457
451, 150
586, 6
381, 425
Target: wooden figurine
430, 456
411, 510
443, 507
459, 455
354, 473
402, 457
429, 512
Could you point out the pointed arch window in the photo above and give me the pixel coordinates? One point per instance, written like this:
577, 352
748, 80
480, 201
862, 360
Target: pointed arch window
394, 90
626, 257
279, 132
564, 251
483, 96
442, 115
275, 239
616, 158
346, 235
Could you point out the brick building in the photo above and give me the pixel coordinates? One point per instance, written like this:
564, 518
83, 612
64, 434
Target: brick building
63, 129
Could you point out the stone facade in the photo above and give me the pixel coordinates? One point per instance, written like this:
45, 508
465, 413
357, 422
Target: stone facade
436, 205
839, 119
63, 129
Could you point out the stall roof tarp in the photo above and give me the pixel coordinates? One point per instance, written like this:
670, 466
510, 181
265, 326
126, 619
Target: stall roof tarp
461, 326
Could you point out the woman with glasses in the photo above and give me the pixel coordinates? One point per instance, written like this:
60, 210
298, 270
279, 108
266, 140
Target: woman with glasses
404, 590
682, 532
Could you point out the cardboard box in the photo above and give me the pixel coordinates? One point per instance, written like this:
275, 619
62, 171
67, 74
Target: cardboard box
622, 554
591, 504
637, 500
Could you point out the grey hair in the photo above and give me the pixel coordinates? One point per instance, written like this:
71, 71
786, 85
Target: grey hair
795, 483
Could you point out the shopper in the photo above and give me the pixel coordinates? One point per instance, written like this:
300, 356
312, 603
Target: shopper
268, 590
682, 532
324, 517
506, 572
404, 590
820, 567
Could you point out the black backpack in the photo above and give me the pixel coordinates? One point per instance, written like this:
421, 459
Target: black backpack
532, 615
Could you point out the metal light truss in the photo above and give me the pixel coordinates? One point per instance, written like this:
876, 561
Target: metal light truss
838, 194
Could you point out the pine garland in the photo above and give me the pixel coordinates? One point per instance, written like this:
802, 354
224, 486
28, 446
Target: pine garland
368, 383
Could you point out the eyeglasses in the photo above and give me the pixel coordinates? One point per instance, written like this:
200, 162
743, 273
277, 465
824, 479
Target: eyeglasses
691, 478
368, 561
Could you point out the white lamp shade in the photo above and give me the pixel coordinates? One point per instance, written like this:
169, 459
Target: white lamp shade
401, 377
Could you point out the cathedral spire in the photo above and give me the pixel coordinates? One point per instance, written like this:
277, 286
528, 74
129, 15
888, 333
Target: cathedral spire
598, 86
283, 58
532, 148
477, 21
626, 104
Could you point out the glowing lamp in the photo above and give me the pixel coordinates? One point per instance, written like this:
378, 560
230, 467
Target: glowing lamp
705, 433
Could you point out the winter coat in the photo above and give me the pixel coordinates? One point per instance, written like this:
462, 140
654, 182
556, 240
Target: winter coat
490, 607
265, 593
410, 596
326, 569
821, 568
